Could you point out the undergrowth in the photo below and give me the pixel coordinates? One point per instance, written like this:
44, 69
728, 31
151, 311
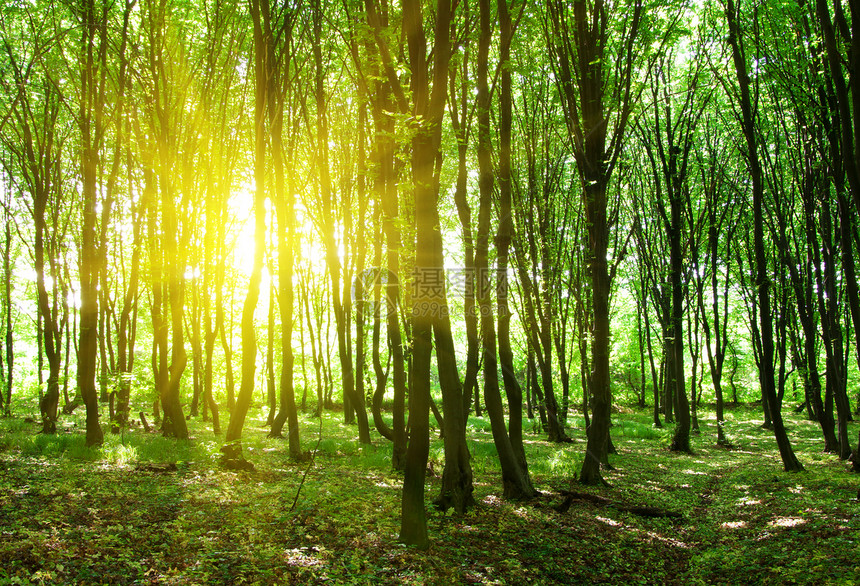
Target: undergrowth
143, 509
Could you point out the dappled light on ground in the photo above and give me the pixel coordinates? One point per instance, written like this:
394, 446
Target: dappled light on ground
610, 522
304, 557
150, 510
787, 522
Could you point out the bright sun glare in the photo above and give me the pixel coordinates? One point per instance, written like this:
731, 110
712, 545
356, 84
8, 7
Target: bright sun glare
310, 253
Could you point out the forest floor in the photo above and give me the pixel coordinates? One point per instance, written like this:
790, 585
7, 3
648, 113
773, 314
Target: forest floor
143, 509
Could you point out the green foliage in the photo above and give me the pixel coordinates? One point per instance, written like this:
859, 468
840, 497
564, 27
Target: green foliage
143, 508
638, 429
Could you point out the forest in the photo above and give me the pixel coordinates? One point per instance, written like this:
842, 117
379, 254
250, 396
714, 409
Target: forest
491, 253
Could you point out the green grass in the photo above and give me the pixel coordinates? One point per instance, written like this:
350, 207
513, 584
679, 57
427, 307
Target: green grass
116, 515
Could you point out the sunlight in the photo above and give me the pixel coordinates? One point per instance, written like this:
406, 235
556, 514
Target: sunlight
241, 209
299, 557
120, 454
74, 299
667, 540
311, 252
521, 512
733, 525
787, 522
608, 521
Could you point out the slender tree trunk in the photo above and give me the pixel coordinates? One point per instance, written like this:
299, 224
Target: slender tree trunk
286, 245
271, 394
128, 324
335, 268
457, 485
359, 285
583, 74
7, 291
49, 404
460, 124
385, 152
232, 449
846, 86
676, 229
428, 300
503, 243
766, 375
210, 281
716, 343
831, 329
515, 480
225, 334
315, 355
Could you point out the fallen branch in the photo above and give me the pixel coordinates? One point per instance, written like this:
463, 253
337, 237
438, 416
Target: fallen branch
156, 467
642, 511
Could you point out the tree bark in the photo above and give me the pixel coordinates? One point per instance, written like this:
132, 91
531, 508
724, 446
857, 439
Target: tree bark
232, 448
428, 298
333, 262
762, 281
578, 47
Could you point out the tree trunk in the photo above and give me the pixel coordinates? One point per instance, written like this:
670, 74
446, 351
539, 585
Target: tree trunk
831, 328
428, 300
676, 230
460, 124
271, 394
7, 292
513, 391
286, 246
128, 324
762, 282
583, 74
515, 480
457, 486
383, 104
333, 262
232, 448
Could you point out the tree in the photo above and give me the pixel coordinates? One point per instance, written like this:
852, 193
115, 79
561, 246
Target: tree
428, 301
35, 140
8, 378
722, 224
333, 262
93, 62
167, 67
504, 236
669, 144
545, 237
762, 280
278, 71
232, 449
578, 39
515, 478
845, 88
459, 105
385, 96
